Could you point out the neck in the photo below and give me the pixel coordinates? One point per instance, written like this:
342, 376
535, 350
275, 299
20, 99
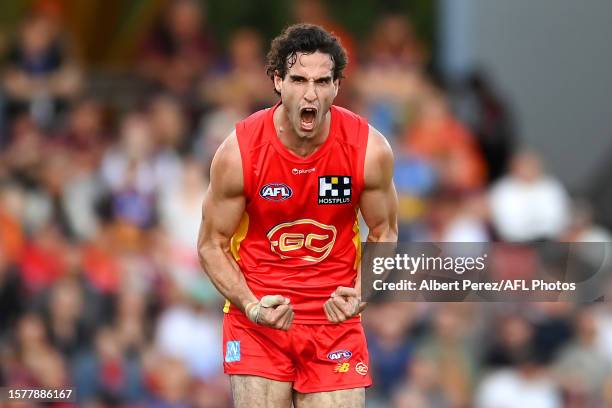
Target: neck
300, 146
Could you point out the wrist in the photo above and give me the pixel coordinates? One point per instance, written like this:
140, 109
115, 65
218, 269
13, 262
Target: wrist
248, 302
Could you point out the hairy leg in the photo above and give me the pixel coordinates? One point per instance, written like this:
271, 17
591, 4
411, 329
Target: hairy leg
251, 391
353, 398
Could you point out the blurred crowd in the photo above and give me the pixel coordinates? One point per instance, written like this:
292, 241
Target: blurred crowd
100, 204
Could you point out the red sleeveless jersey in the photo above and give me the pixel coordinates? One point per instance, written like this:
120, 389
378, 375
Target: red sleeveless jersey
299, 236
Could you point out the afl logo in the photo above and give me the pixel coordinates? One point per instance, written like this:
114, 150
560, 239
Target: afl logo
275, 192
340, 355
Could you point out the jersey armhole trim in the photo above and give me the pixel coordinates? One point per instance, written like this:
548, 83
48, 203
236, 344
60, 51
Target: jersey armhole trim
364, 135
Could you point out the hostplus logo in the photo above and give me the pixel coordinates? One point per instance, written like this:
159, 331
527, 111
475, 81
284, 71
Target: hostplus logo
334, 190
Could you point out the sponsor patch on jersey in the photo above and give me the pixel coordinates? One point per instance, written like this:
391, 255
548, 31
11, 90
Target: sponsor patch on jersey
276, 192
232, 351
334, 190
296, 172
361, 368
340, 355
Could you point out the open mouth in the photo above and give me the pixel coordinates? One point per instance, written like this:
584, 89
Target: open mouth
307, 118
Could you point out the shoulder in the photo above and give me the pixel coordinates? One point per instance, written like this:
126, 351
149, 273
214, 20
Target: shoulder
378, 148
250, 132
378, 166
378, 151
352, 128
226, 168
255, 118
348, 119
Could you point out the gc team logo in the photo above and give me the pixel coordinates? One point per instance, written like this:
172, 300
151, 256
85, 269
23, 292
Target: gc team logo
361, 368
304, 239
275, 192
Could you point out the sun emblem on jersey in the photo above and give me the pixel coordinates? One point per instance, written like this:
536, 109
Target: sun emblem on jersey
304, 239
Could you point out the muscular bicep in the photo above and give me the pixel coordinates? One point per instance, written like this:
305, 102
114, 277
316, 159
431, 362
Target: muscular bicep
378, 203
224, 204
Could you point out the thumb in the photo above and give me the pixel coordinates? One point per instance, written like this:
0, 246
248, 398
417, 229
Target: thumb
344, 291
273, 300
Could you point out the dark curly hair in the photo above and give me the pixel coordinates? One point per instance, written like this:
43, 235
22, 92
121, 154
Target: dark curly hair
306, 38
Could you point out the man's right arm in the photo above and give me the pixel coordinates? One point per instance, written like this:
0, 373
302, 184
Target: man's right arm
222, 212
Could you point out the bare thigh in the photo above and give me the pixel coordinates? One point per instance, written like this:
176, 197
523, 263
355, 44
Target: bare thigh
353, 398
250, 391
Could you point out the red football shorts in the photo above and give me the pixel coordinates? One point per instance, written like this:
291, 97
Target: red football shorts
315, 357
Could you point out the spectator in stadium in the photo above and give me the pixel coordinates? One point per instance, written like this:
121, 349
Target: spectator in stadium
169, 126
390, 346
179, 50
512, 335
448, 347
527, 204
240, 70
65, 324
584, 371
480, 107
439, 137
391, 80
41, 74
107, 374
526, 384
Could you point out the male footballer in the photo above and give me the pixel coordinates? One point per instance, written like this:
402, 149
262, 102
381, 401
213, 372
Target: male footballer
280, 233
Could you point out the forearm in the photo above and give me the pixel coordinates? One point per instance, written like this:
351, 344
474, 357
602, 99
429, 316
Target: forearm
383, 233
226, 276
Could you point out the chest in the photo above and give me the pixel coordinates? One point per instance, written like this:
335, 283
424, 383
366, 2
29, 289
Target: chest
325, 189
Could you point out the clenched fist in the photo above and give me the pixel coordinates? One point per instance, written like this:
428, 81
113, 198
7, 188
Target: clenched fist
343, 304
271, 311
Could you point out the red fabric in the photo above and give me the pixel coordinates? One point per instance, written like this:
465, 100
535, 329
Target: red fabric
41, 267
275, 256
102, 269
12, 241
112, 374
313, 357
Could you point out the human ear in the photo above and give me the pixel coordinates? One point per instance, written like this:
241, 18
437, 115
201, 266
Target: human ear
278, 81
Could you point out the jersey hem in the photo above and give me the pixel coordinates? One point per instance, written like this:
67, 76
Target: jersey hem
316, 321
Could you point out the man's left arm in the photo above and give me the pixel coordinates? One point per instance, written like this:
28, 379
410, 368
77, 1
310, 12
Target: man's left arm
378, 205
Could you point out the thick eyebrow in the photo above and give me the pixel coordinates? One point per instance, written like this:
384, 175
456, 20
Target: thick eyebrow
296, 77
327, 78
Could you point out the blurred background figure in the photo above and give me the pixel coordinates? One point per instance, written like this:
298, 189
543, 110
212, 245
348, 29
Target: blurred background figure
40, 76
107, 132
526, 385
528, 205
179, 49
